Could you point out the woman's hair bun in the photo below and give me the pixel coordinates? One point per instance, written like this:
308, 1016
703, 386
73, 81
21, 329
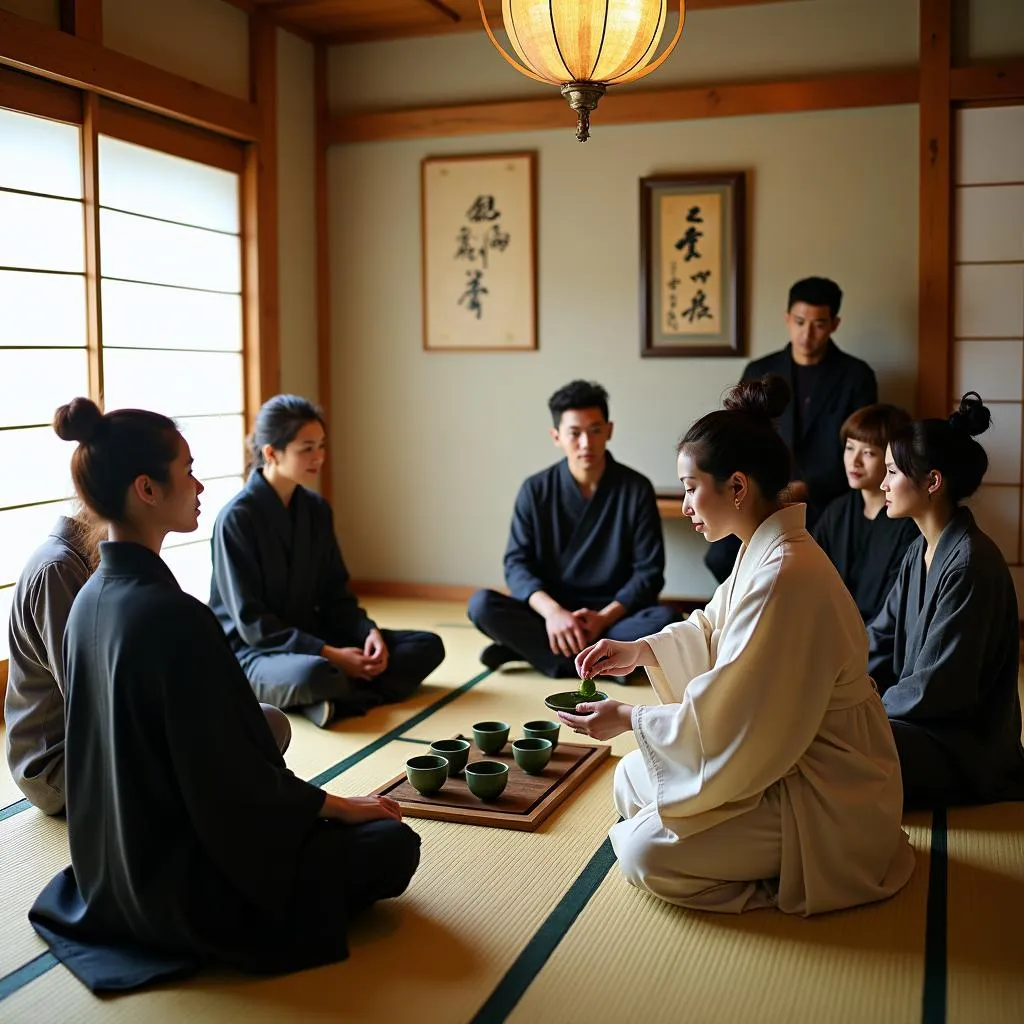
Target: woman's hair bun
767, 397
78, 420
973, 416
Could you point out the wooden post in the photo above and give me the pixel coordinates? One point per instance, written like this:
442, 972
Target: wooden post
323, 257
935, 248
82, 18
261, 311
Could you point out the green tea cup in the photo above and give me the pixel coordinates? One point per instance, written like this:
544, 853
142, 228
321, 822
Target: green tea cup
487, 779
455, 751
532, 754
542, 730
426, 773
490, 737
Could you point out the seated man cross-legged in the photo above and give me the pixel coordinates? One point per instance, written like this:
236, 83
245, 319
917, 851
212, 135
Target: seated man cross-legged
585, 556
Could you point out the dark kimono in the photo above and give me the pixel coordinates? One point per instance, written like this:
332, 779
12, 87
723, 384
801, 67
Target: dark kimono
280, 591
866, 552
944, 655
191, 842
842, 385
584, 553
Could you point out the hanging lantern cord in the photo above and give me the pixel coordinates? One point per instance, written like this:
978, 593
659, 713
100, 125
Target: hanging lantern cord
583, 97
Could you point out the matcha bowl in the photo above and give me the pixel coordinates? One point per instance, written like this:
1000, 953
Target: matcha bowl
490, 737
427, 773
456, 752
542, 729
487, 779
532, 754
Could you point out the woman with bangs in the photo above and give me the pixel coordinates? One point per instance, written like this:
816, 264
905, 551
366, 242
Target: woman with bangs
865, 545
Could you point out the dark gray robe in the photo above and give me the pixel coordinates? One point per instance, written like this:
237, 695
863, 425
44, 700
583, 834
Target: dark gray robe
280, 592
34, 703
944, 655
585, 552
866, 552
191, 842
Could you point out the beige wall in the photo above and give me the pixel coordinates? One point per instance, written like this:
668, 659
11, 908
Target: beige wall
205, 40
802, 37
46, 11
988, 30
430, 448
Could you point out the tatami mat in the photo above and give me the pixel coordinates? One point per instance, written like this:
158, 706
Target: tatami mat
671, 965
538, 927
986, 914
33, 848
435, 954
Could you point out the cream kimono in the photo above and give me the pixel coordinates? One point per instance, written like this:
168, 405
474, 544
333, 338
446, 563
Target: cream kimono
768, 775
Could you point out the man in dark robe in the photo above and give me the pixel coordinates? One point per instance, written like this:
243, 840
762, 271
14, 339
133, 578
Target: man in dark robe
827, 386
585, 555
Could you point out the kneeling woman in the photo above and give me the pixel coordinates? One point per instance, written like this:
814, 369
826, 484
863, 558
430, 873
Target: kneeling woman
191, 842
865, 545
280, 586
768, 774
944, 649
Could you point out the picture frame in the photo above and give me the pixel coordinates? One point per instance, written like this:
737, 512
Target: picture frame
479, 235
692, 263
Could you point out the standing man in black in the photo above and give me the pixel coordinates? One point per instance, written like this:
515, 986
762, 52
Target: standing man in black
827, 385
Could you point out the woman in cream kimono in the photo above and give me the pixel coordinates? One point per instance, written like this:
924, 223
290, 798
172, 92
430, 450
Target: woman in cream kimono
768, 775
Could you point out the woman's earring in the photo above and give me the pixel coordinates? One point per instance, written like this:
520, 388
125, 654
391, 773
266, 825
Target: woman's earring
739, 504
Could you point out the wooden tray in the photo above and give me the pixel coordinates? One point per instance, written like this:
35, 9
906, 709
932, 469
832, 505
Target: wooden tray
527, 801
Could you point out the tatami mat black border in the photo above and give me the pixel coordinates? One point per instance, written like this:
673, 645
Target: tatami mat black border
18, 979
531, 960
933, 999
12, 809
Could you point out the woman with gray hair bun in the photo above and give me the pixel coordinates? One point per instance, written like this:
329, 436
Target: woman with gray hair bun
945, 647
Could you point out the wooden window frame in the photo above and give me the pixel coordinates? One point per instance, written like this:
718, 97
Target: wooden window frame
67, 75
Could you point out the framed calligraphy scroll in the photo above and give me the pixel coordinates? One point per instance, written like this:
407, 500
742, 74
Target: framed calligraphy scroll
691, 265
479, 253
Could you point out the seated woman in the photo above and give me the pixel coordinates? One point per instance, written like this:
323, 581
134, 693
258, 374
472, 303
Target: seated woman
34, 703
280, 586
865, 545
945, 647
768, 774
191, 842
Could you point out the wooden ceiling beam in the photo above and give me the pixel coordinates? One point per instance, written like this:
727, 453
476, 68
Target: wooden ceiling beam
29, 46
824, 92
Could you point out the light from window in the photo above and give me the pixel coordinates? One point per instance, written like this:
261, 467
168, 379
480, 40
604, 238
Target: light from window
171, 260
42, 331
